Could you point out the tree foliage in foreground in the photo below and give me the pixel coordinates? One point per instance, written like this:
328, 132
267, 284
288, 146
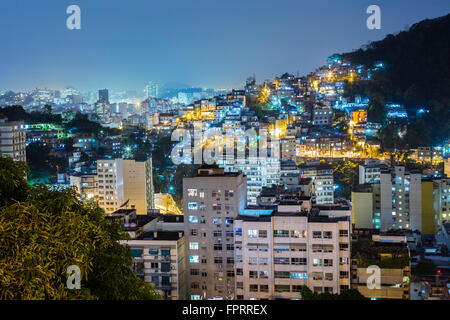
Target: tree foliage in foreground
44, 231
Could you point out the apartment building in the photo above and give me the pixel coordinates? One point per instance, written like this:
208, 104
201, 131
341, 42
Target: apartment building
277, 251
322, 116
125, 183
400, 200
159, 258
391, 255
86, 186
441, 202
212, 200
260, 172
13, 140
322, 177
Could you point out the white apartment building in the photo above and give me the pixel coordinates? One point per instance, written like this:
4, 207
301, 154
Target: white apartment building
125, 183
212, 200
260, 171
278, 251
159, 258
400, 199
323, 182
13, 140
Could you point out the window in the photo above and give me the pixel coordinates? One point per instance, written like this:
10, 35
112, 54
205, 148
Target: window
229, 234
217, 206
343, 274
298, 233
252, 261
229, 193
239, 231
281, 260
218, 260
317, 234
343, 261
217, 221
230, 273
194, 232
193, 219
282, 274
317, 262
253, 274
192, 192
281, 233
262, 233
299, 261
282, 288
195, 297
328, 262
264, 261
193, 245
343, 246
317, 275
195, 272
194, 259
327, 235
230, 246
253, 288
239, 272
264, 274
296, 288
192, 206
343, 233
264, 288
195, 285
230, 260
299, 275
201, 194
216, 194
217, 247
228, 220
217, 233
252, 233
328, 276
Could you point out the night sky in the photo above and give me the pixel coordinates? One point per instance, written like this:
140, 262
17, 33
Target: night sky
208, 43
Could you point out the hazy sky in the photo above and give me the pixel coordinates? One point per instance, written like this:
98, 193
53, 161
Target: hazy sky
123, 44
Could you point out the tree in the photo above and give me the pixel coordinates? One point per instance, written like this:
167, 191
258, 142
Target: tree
44, 231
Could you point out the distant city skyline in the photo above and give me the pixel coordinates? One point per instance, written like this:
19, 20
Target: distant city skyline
202, 43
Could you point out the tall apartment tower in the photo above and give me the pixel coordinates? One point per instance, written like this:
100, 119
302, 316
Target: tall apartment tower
12, 140
400, 197
212, 200
102, 106
125, 183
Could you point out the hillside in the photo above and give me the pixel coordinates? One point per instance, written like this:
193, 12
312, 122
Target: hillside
416, 73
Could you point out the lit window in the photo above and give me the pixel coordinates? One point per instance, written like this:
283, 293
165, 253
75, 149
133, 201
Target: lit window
193, 219
192, 206
252, 233
192, 192
193, 245
194, 259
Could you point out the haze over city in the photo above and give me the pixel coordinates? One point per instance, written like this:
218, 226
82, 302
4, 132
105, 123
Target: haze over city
123, 45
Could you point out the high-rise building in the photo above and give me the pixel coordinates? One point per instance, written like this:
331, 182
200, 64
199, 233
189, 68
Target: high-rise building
212, 200
102, 106
125, 183
323, 182
400, 200
278, 251
152, 90
12, 140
